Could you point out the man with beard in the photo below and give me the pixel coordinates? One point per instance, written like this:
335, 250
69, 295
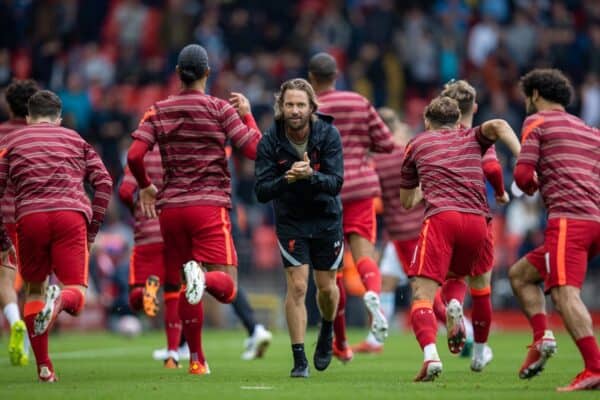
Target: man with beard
560, 158
300, 167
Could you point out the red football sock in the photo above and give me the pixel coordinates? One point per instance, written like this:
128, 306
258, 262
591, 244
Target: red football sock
172, 321
71, 301
539, 324
454, 289
423, 322
221, 286
482, 314
339, 323
39, 343
439, 308
192, 317
588, 347
369, 274
136, 298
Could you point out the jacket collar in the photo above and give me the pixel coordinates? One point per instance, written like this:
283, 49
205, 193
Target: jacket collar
314, 137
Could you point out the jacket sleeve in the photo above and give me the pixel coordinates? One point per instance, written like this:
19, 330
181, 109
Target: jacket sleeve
269, 184
330, 177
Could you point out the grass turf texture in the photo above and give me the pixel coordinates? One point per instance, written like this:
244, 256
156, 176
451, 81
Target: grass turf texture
104, 366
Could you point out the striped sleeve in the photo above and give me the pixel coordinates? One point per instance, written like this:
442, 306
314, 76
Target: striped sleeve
409, 176
5, 242
240, 134
380, 135
99, 178
530, 143
146, 130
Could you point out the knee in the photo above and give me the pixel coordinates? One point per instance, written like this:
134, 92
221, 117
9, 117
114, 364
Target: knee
329, 289
297, 290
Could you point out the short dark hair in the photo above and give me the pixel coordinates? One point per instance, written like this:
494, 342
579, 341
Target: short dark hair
442, 110
192, 63
463, 93
44, 104
551, 84
18, 94
323, 67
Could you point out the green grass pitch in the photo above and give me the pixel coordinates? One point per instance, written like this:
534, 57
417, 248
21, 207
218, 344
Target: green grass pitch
104, 366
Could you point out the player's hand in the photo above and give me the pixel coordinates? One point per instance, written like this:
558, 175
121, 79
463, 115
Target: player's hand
240, 103
302, 169
148, 200
7, 256
504, 199
290, 177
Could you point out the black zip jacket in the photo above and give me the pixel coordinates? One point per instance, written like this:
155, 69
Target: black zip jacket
308, 207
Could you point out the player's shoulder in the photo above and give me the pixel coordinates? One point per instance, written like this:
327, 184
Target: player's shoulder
345, 96
417, 141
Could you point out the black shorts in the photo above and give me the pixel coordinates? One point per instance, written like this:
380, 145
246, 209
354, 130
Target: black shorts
323, 254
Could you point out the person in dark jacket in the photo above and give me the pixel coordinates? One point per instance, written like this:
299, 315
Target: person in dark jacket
300, 167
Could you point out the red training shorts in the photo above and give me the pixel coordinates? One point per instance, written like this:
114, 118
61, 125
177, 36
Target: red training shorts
54, 241
405, 249
485, 262
148, 259
537, 258
359, 217
568, 246
449, 242
201, 233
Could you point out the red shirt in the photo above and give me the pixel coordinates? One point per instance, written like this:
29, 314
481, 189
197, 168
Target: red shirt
191, 130
48, 166
565, 153
7, 203
362, 131
400, 224
447, 163
146, 230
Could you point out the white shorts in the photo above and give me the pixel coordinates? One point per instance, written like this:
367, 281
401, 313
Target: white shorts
390, 264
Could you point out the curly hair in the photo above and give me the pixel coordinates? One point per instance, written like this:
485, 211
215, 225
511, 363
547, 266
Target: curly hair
18, 94
551, 84
294, 84
463, 93
442, 110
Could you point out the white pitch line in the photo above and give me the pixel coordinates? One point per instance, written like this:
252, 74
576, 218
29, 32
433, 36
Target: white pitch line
256, 387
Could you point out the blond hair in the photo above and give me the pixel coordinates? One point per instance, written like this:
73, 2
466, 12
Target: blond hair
442, 110
294, 84
463, 93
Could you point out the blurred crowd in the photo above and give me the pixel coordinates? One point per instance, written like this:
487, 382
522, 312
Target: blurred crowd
111, 59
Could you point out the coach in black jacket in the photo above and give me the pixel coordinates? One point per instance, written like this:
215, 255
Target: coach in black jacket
300, 167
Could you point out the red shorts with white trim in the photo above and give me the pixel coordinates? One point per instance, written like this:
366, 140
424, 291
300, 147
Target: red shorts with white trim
485, 263
359, 218
200, 233
405, 249
537, 258
54, 241
148, 259
568, 246
449, 242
